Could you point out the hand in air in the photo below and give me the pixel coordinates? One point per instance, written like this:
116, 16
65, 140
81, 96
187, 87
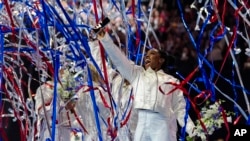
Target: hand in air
98, 31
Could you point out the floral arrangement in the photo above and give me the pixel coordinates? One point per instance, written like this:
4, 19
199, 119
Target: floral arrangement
212, 119
67, 87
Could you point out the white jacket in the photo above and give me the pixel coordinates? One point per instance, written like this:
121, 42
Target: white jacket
65, 121
147, 84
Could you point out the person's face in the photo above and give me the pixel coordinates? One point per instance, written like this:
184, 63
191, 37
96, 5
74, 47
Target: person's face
153, 60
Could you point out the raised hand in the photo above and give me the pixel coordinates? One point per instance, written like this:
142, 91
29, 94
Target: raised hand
98, 31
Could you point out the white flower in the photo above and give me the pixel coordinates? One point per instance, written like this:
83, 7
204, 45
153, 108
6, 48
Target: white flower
211, 117
67, 87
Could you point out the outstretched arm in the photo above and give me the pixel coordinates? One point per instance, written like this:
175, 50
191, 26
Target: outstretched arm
128, 70
96, 54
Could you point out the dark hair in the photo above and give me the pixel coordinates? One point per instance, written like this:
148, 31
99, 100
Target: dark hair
169, 65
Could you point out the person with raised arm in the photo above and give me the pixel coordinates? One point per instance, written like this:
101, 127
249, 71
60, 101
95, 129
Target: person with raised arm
122, 94
158, 102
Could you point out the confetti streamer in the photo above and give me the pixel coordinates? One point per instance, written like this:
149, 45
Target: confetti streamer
38, 38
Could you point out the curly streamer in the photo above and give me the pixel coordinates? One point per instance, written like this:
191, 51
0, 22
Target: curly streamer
52, 31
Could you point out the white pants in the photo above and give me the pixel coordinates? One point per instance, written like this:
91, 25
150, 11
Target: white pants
151, 126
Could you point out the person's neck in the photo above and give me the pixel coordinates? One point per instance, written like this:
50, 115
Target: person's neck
155, 69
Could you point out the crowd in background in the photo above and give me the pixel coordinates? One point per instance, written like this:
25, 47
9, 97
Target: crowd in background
167, 24
166, 21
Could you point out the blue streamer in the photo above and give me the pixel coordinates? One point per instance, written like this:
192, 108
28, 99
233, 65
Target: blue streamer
56, 62
236, 110
1, 64
76, 36
208, 82
183, 130
129, 101
92, 95
130, 45
1, 5
248, 120
114, 3
191, 85
44, 24
197, 49
138, 30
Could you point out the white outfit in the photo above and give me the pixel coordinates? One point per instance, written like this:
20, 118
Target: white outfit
86, 109
148, 97
67, 127
122, 94
152, 124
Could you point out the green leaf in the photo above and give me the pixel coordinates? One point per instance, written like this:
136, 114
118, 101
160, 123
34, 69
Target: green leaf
189, 138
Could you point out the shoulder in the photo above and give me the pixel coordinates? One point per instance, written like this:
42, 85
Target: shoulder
168, 77
139, 68
173, 79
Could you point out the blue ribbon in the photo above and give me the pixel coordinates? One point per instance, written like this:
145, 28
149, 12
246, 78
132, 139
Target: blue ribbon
92, 95
56, 62
1, 64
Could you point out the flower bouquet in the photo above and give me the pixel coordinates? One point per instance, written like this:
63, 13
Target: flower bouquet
66, 89
211, 118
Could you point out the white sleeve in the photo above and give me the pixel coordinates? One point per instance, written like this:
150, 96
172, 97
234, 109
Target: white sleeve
127, 70
96, 54
179, 107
